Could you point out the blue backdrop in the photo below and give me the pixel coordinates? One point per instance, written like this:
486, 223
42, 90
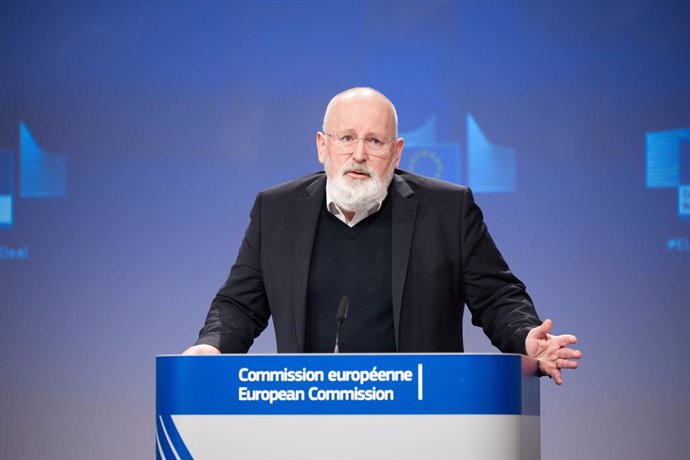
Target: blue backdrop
134, 136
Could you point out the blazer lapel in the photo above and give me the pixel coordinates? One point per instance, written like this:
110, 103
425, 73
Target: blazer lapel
404, 215
305, 221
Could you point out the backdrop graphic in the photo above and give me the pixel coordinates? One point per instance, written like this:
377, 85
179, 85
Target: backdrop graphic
152, 125
668, 164
42, 174
490, 168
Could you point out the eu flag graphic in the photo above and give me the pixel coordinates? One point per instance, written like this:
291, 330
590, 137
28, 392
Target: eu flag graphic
425, 156
490, 168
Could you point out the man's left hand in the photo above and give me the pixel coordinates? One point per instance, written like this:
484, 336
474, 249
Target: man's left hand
552, 351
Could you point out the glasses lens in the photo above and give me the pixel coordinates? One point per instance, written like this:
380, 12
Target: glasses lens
374, 143
346, 143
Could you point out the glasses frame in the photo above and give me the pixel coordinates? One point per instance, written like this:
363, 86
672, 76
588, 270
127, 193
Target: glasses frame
365, 141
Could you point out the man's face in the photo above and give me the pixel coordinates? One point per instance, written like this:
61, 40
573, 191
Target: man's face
359, 116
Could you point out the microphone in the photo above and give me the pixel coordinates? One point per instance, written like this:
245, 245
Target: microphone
340, 318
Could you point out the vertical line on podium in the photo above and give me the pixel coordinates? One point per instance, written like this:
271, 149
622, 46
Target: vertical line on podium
420, 382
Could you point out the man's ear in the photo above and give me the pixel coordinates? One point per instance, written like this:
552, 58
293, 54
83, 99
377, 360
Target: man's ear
398, 150
321, 147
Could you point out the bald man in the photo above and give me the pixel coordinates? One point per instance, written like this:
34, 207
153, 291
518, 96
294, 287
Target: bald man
408, 251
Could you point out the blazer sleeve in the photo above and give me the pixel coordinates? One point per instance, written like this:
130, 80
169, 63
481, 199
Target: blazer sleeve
497, 300
240, 311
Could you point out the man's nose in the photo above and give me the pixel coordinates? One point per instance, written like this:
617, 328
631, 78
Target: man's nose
359, 155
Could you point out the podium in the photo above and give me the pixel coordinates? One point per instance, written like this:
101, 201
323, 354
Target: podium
347, 406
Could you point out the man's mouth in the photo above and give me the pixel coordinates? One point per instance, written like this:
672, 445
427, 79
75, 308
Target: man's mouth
357, 174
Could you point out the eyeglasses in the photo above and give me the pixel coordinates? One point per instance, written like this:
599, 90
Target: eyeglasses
347, 143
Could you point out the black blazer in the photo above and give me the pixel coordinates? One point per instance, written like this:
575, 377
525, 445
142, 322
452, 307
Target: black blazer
443, 258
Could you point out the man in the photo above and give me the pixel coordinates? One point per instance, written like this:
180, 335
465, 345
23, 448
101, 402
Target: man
409, 252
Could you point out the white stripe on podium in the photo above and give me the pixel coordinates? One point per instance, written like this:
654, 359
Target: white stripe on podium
307, 437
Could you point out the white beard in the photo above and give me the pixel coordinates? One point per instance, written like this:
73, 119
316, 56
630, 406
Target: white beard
357, 195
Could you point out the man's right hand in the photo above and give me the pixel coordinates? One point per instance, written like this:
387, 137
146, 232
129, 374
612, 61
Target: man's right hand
202, 350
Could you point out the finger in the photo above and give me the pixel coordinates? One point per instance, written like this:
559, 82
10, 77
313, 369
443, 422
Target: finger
569, 353
550, 369
544, 328
565, 339
554, 373
565, 364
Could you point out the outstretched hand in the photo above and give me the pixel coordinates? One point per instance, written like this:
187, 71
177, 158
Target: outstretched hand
552, 351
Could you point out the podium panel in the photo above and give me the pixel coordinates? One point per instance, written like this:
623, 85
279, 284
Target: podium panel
346, 406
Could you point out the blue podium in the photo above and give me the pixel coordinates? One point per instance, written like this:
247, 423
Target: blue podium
347, 406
